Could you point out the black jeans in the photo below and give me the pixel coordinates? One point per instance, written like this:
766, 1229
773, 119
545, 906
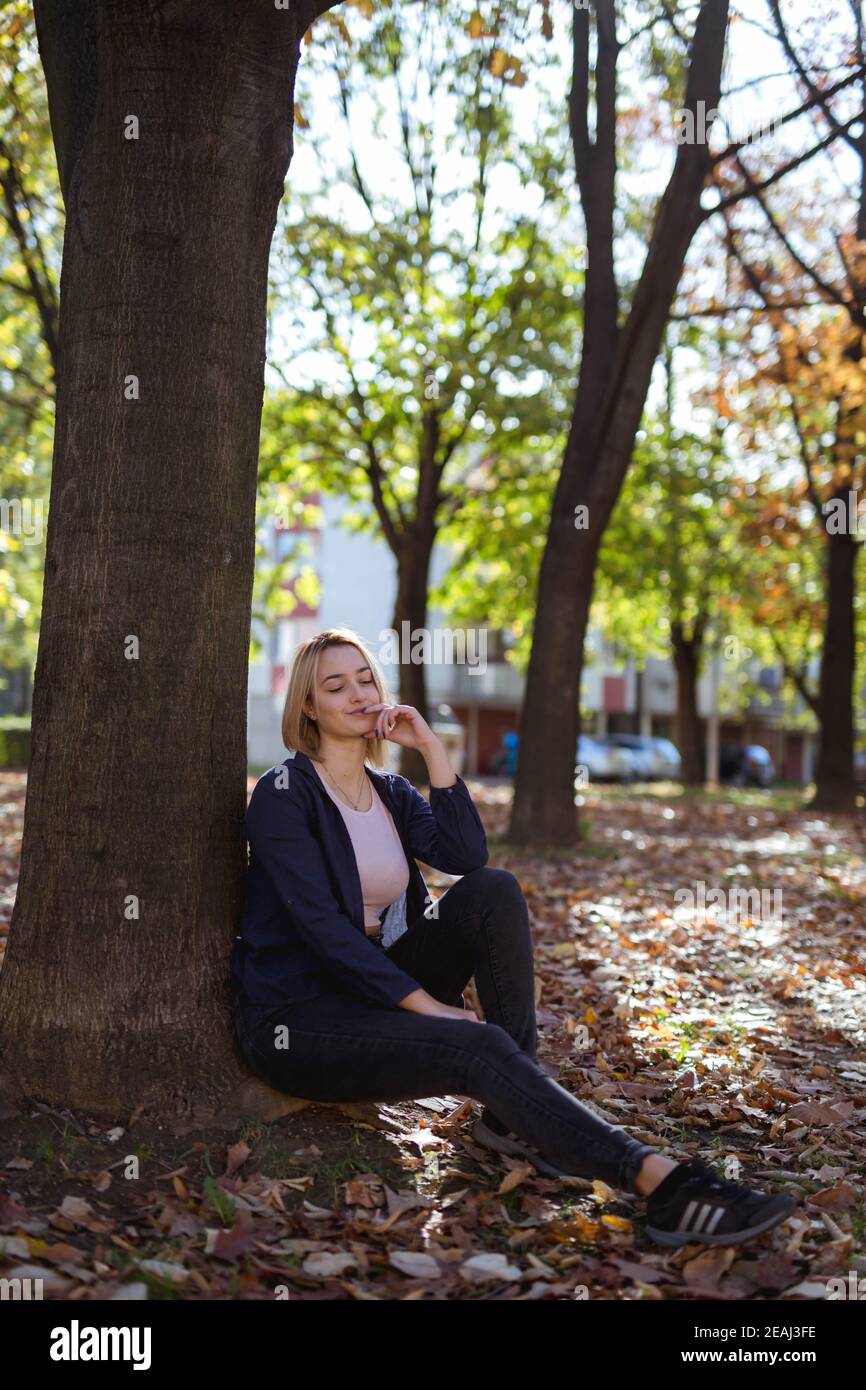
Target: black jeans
339, 1048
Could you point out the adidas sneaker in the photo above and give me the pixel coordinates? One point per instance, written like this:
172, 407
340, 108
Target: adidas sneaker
694, 1204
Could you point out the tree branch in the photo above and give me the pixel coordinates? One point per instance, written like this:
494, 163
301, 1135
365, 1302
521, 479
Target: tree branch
41, 290
797, 675
736, 146
733, 198
818, 98
832, 294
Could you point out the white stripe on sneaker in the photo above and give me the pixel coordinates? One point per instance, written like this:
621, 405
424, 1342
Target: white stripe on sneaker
706, 1213
685, 1220
700, 1217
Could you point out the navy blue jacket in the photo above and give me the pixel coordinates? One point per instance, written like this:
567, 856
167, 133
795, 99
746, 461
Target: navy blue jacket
302, 932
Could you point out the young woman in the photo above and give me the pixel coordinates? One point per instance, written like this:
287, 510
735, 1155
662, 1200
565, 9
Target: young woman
348, 978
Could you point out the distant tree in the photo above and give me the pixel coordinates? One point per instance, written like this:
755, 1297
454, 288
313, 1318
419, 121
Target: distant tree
443, 343
621, 339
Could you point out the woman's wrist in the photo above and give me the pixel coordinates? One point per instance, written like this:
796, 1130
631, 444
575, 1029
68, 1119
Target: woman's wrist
420, 1002
439, 767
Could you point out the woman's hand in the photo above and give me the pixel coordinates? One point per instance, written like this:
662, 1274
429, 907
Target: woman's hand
446, 1011
420, 1002
400, 724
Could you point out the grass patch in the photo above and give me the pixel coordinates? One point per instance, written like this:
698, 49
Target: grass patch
356, 1159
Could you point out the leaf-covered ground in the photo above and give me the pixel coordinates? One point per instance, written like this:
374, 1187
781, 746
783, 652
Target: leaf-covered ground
737, 1033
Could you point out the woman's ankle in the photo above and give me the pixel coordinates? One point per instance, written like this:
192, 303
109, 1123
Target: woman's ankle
653, 1171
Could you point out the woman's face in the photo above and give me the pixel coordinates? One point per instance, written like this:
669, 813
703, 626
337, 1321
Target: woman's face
344, 684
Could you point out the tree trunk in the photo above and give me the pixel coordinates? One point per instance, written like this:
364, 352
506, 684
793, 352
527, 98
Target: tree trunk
133, 853
615, 370
835, 788
687, 652
410, 608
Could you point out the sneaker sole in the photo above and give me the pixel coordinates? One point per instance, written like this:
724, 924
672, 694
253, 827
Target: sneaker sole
515, 1148
678, 1238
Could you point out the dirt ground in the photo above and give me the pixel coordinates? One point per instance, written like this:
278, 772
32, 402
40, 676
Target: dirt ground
738, 1038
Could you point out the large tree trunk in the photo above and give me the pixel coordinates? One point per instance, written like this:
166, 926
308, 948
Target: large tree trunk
615, 371
412, 546
687, 653
835, 788
410, 607
133, 852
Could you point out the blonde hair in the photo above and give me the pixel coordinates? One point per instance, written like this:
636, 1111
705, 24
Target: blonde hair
299, 731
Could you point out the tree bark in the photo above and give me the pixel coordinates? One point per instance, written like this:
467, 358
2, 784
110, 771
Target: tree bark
113, 990
412, 547
835, 787
687, 652
615, 370
410, 607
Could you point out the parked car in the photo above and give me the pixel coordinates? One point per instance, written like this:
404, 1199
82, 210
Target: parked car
641, 756
654, 759
604, 761
670, 762
612, 758
746, 766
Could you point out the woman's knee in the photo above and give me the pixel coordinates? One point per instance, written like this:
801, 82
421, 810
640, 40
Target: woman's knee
495, 1044
477, 1039
494, 882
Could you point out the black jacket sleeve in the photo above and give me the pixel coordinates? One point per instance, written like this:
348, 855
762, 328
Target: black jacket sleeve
447, 832
285, 845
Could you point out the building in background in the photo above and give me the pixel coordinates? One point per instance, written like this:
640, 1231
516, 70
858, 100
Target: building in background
358, 587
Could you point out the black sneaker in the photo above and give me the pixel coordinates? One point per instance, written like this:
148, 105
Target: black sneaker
694, 1204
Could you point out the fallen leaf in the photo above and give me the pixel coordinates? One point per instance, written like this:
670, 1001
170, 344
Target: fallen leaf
414, 1263
236, 1157
482, 1268
325, 1264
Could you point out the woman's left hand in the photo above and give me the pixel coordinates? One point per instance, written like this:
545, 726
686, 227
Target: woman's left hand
400, 724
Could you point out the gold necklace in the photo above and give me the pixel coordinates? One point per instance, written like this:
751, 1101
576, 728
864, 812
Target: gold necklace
346, 794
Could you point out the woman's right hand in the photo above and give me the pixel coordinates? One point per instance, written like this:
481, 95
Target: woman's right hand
446, 1011
420, 1002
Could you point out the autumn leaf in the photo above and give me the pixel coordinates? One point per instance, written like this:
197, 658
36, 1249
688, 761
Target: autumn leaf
475, 26
236, 1157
